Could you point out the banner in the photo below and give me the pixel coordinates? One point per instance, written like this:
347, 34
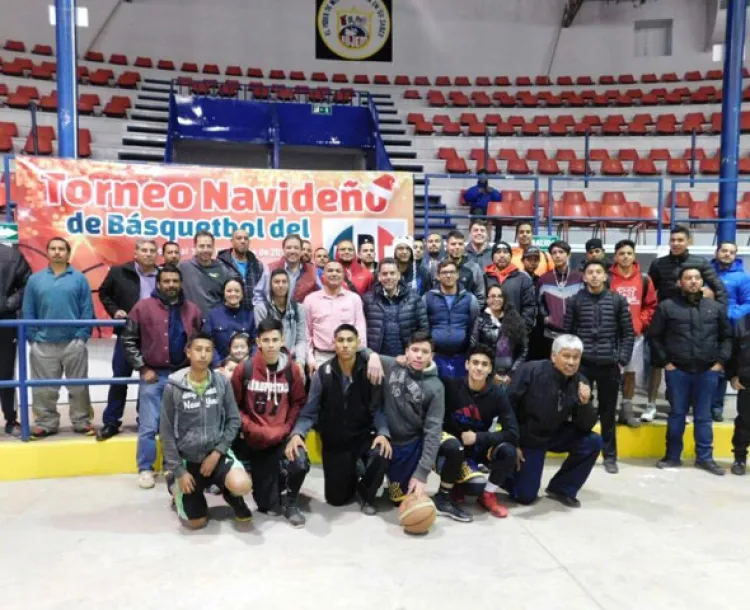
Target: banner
101, 208
354, 30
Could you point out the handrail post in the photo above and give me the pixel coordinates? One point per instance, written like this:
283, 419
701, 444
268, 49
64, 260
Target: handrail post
586, 150
550, 206
536, 205
7, 187
23, 393
426, 207
34, 127
673, 206
659, 212
693, 141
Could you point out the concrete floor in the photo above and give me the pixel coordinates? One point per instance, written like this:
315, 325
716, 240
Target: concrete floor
643, 539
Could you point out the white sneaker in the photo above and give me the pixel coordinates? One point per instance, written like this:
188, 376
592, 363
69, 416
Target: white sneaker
649, 413
146, 479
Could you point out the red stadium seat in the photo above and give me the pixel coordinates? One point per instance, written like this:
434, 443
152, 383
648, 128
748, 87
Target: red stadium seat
743, 166
48, 103
645, 167
412, 94
606, 79
492, 119
628, 154
626, 79
518, 167
678, 167
577, 167
30, 92
693, 75
401, 79
523, 81
95, 56
565, 154
15, 45
462, 81
233, 71
189, 66
445, 153
41, 73
542, 81
670, 77
483, 81
504, 99
637, 128
9, 128
6, 146
128, 80
118, 59
421, 81
414, 117
436, 99
511, 196
548, 167
535, 154
564, 81
297, 75
44, 145
451, 129
683, 199
459, 99
490, 167
443, 81
556, 129
424, 128
477, 129
659, 154
714, 74
530, 129
145, 62
649, 78
598, 154
710, 167
456, 166
480, 99
507, 154
165, 64
441, 119
612, 167
277, 75
502, 81
702, 210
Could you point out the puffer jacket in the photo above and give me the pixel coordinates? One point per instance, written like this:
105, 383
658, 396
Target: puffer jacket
451, 326
487, 331
664, 272
691, 334
602, 321
737, 283
193, 426
14, 273
739, 363
254, 281
411, 315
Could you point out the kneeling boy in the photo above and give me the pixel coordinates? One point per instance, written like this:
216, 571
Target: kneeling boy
270, 392
471, 405
199, 421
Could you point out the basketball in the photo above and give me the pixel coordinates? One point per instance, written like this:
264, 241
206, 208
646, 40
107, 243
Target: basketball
417, 514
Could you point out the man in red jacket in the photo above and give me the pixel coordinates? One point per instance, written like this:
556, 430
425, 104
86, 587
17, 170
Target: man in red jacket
270, 393
627, 279
302, 276
358, 277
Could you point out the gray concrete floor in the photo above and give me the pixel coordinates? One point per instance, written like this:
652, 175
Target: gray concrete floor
643, 539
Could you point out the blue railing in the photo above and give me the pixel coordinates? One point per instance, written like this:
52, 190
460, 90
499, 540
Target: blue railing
692, 181
23, 383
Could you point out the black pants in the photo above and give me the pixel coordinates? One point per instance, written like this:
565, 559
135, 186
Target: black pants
449, 459
273, 474
502, 462
343, 477
7, 372
607, 381
741, 436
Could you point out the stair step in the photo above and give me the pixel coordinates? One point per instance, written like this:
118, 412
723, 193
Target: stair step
387, 111
159, 106
391, 131
138, 128
390, 121
150, 115
141, 155
157, 81
150, 97
155, 88
381, 103
399, 154
390, 142
145, 141
433, 199
402, 167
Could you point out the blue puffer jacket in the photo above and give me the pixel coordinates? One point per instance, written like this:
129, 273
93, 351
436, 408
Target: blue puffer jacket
222, 322
737, 283
451, 326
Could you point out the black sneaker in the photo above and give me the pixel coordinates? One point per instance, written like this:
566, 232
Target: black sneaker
717, 416
293, 514
563, 499
667, 463
367, 507
107, 431
738, 468
241, 510
712, 467
448, 508
13, 428
611, 467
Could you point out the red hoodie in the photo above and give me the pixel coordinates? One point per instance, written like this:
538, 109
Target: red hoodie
641, 309
268, 406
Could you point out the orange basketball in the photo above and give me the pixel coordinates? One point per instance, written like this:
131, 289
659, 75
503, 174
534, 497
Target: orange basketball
417, 514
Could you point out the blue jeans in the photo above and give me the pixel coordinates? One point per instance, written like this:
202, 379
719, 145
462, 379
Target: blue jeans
717, 404
149, 395
450, 367
118, 394
582, 450
685, 389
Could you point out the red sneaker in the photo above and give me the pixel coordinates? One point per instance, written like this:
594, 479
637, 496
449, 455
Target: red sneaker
488, 501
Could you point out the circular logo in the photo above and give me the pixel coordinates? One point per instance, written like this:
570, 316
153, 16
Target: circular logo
354, 29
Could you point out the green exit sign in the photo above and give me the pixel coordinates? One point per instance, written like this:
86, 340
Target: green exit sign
326, 109
544, 241
9, 232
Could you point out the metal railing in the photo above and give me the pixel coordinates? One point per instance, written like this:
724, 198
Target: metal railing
23, 383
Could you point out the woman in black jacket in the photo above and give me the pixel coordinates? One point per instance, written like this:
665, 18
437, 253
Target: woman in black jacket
501, 328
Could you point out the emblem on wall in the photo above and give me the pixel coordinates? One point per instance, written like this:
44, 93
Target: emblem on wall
353, 30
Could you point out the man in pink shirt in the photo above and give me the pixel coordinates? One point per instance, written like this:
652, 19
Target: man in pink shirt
326, 310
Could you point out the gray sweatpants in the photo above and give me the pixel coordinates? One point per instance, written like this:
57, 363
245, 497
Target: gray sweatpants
51, 361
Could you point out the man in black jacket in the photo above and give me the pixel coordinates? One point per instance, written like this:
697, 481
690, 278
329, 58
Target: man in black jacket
518, 287
472, 404
691, 339
347, 410
551, 402
738, 372
393, 311
121, 289
250, 269
601, 319
14, 273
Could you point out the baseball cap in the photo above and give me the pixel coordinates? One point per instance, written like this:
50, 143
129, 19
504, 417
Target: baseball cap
532, 251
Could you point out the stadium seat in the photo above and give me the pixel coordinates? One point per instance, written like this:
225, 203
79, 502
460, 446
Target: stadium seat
44, 146
128, 80
456, 166
530, 129
41, 73
505, 129
445, 153
459, 99
743, 166
598, 154
702, 210
628, 154
165, 64
477, 129
565, 154
483, 81
441, 119
297, 75
548, 167
42, 49
517, 167
523, 81
542, 81
401, 80
100, 77
145, 62
15, 45
504, 99
3, 89
490, 166
6, 146
669, 77
645, 167
421, 81
462, 81
13, 68
18, 101
556, 129
492, 119
683, 199
48, 103
714, 74
436, 99
507, 154
451, 128
9, 128
678, 167
233, 71
480, 99
414, 117
637, 128
443, 81
536, 154
502, 81
659, 154
118, 59
612, 167
94, 56
412, 94
710, 167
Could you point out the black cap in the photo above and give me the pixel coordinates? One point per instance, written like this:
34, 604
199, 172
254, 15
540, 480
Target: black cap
532, 251
593, 244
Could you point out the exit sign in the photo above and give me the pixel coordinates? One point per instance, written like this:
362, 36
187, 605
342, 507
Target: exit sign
544, 241
8, 232
326, 109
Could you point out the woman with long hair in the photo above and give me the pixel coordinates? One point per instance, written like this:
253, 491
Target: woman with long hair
501, 328
229, 318
281, 306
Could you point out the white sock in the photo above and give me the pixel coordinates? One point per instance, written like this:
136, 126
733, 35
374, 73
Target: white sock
491, 488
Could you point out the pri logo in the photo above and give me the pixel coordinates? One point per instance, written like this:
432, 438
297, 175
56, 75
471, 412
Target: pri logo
382, 233
354, 29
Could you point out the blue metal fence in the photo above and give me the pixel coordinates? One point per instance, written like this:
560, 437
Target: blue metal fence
23, 383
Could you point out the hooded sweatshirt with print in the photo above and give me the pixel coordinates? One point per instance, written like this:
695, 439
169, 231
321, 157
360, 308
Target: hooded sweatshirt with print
193, 426
269, 405
414, 404
642, 306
